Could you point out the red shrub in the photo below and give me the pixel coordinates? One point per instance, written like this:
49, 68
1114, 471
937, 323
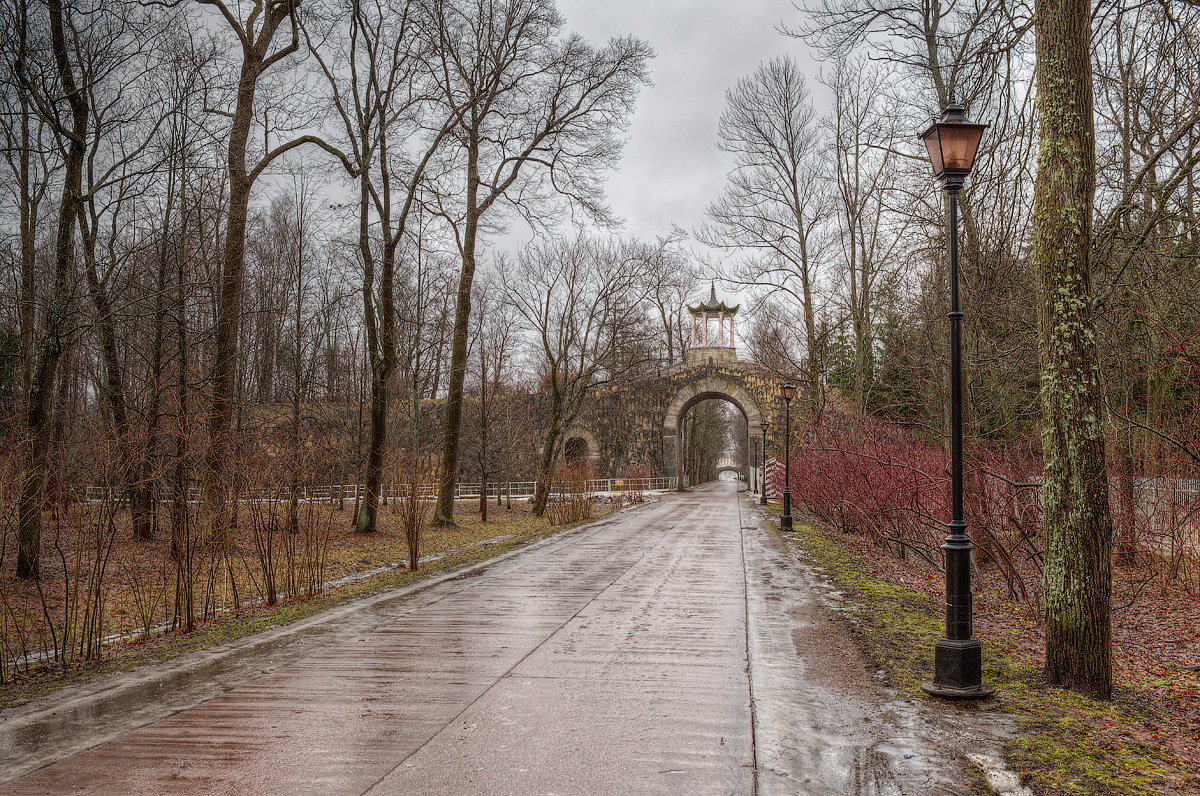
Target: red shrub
892, 485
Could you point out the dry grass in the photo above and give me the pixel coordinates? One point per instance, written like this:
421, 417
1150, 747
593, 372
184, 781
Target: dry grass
138, 587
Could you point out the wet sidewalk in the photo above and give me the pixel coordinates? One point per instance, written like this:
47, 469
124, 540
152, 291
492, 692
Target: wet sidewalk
671, 649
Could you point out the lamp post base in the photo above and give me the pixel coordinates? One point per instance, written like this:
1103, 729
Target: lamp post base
958, 671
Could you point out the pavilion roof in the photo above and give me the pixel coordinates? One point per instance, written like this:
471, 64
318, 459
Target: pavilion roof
712, 305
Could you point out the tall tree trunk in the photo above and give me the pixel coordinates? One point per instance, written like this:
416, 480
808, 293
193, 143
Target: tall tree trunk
255, 40
112, 385
39, 399
293, 510
541, 489
814, 371
228, 322
1078, 525
558, 423
381, 340
181, 538
376, 446
1126, 541
810, 315
28, 228
444, 511
483, 427
153, 452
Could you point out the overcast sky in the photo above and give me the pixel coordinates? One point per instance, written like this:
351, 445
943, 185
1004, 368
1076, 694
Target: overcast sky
671, 167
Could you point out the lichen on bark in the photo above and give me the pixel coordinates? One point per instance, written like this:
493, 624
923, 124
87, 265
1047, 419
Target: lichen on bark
1078, 526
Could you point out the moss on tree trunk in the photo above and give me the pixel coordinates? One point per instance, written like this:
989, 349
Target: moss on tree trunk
1078, 525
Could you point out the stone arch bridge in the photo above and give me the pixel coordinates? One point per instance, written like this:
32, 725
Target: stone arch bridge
637, 423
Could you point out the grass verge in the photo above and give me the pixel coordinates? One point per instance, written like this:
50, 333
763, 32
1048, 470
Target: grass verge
1067, 743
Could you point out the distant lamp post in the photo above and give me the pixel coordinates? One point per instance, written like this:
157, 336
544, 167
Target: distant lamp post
787, 391
763, 472
958, 658
755, 476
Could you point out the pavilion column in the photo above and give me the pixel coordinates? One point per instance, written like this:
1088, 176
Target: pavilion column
705, 331
731, 343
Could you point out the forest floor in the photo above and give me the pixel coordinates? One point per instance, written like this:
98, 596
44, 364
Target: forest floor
1146, 740
139, 581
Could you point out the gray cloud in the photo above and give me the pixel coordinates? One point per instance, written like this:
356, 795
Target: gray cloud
671, 166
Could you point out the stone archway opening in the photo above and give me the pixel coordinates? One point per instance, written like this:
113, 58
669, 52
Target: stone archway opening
677, 458
712, 438
580, 449
575, 451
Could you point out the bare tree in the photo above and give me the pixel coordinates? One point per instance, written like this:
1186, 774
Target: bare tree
541, 115
71, 124
775, 336
127, 107
496, 332
29, 156
977, 54
255, 33
674, 280
1148, 148
579, 299
286, 252
863, 127
958, 49
188, 216
774, 204
378, 63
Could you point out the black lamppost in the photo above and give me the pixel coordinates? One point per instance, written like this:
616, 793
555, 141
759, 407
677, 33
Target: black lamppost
958, 658
787, 391
763, 471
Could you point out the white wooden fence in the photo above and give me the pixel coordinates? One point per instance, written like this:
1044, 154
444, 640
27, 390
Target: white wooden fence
462, 491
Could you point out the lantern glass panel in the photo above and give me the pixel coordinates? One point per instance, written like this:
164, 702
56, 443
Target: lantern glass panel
933, 145
959, 143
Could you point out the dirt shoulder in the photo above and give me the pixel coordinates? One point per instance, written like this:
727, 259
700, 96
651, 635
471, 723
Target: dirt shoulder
826, 719
1143, 741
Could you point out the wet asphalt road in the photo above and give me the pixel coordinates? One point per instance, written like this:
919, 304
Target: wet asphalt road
671, 649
